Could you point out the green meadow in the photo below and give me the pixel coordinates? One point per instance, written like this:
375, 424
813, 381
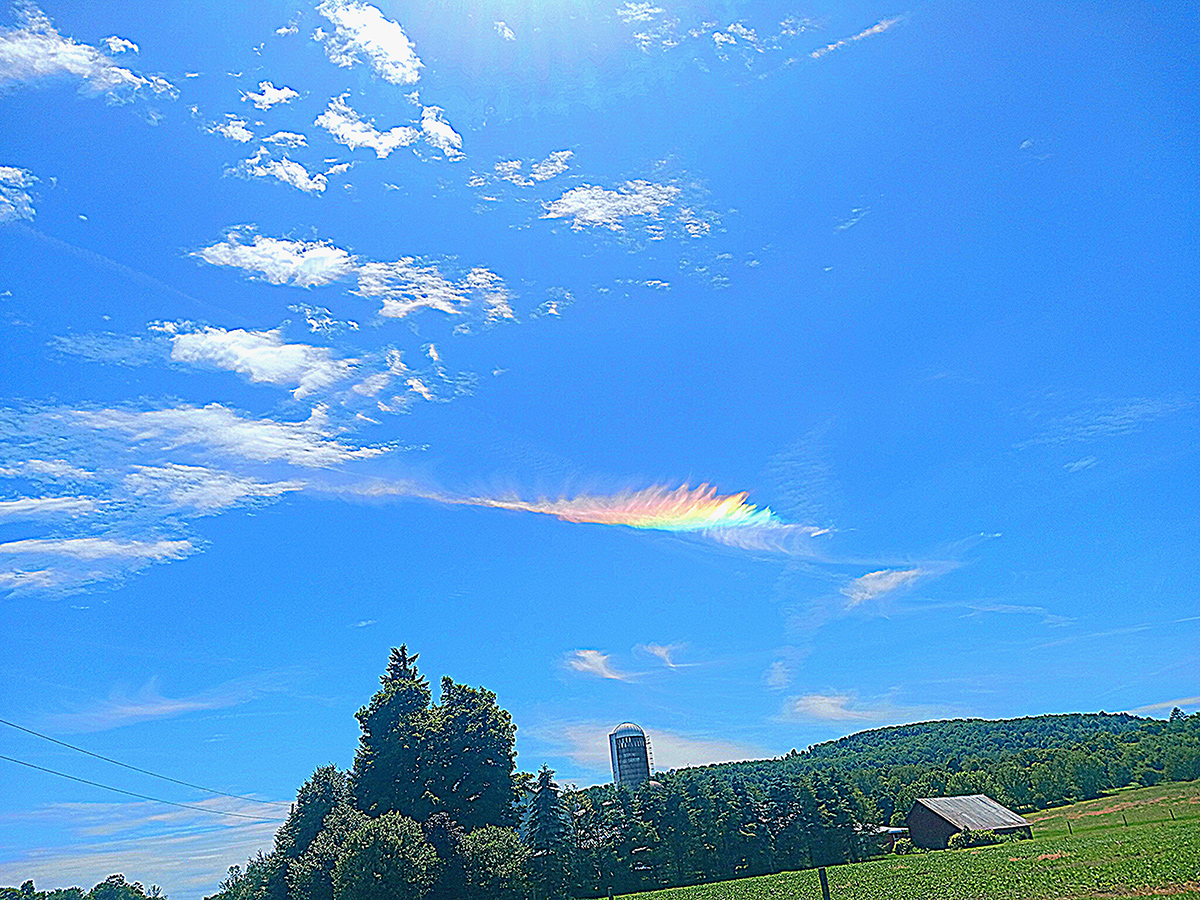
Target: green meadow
1138, 842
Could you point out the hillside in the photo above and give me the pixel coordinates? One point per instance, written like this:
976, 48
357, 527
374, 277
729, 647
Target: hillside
955, 740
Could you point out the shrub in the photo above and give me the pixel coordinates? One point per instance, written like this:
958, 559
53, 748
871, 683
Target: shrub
904, 845
968, 838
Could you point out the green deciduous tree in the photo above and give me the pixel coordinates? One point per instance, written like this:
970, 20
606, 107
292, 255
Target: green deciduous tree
387, 858
495, 864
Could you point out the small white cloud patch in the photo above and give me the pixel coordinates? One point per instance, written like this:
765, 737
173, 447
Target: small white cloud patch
15, 201
119, 45
281, 261
262, 356
360, 29
263, 165
347, 127
233, 128
439, 134
268, 95
592, 206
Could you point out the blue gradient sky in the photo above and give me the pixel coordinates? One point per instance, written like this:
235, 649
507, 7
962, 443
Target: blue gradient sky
921, 280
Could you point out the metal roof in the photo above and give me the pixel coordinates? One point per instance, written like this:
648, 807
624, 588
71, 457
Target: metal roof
974, 811
626, 728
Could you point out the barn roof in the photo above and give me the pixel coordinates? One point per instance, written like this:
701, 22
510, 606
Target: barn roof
974, 811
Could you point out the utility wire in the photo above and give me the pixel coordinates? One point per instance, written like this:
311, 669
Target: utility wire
117, 762
215, 812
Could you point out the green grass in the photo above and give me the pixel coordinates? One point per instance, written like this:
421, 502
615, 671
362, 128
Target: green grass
1152, 855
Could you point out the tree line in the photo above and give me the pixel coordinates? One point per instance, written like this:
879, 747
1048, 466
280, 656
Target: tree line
433, 807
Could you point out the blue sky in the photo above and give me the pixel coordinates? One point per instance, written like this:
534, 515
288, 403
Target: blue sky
332, 327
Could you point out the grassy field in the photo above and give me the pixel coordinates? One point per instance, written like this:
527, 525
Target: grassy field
1154, 855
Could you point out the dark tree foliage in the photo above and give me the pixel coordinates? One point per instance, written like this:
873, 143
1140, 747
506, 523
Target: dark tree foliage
396, 744
547, 835
387, 858
416, 759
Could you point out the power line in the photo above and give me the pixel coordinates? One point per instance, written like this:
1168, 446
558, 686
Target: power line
215, 812
117, 762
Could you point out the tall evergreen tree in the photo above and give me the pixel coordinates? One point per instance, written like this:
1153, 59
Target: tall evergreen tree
397, 743
547, 833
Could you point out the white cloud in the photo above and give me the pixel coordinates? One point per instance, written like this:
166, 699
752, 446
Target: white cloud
218, 429
1080, 464
263, 165
46, 470
405, 286
35, 50
1181, 702
876, 584
233, 128
833, 708
281, 261
878, 28
29, 507
591, 206
504, 31
186, 852
665, 653
119, 45
15, 201
778, 675
347, 127
93, 548
201, 488
593, 662
286, 139
639, 12
439, 134
361, 29
268, 95
262, 356
510, 170
554, 164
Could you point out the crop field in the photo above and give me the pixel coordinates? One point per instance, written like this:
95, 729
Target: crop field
1154, 855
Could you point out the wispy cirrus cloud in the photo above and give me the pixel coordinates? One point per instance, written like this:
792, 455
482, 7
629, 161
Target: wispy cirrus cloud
847, 706
34, 51
201, 488
1102, 419
1183, 703
185, 852
665, 653
36, 507
876, 584
217, 429
361, 30
593, 662
878, 28
149, 703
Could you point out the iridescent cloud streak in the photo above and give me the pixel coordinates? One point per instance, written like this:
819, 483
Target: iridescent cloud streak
683, 509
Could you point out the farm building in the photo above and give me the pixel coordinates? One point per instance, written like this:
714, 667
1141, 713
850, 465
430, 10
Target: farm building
932, 820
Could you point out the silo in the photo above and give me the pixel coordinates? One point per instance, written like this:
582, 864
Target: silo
630, 750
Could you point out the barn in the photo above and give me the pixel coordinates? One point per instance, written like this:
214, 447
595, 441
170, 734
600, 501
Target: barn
932, 820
